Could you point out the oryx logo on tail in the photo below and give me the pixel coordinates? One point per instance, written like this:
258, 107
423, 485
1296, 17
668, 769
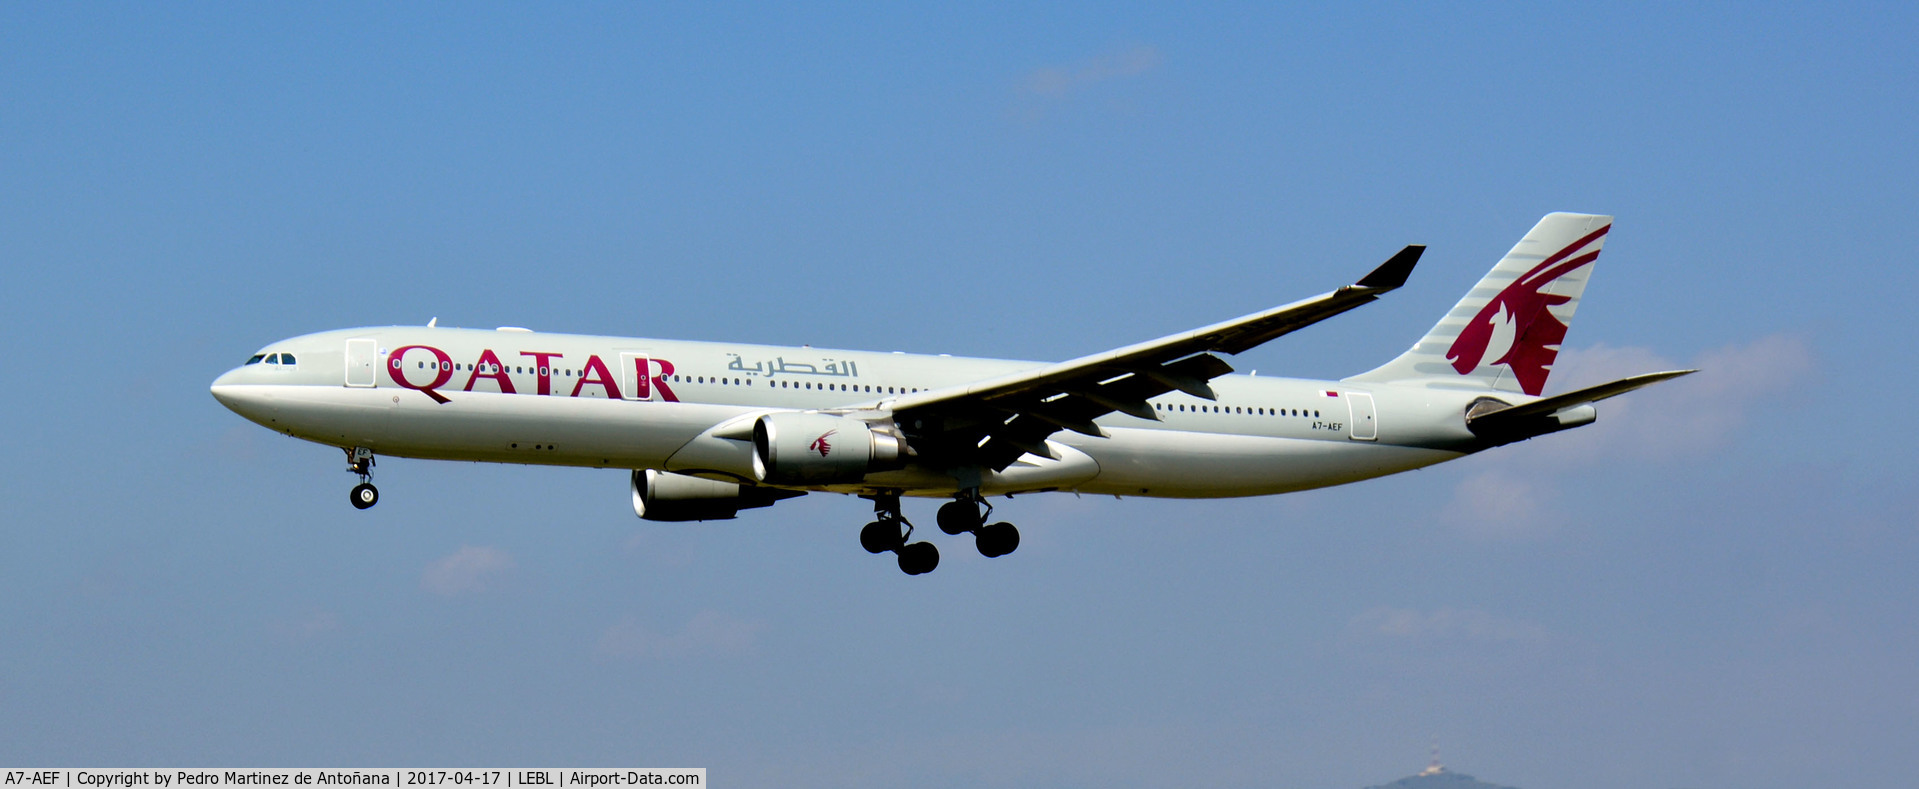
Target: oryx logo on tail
1518, 328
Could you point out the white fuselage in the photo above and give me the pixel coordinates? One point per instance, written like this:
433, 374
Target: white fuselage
513, 396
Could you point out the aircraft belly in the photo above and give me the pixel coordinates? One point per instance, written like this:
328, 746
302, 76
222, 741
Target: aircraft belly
1031, 474
533, 429
1177, 464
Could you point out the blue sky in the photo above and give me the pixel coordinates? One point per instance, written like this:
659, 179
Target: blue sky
1710, 587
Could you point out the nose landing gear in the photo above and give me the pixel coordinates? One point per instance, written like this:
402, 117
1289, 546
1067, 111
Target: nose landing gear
963, 515
359, 460
890, 532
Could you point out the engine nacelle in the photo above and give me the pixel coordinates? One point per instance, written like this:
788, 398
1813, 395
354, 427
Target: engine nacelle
792, 448
666, 496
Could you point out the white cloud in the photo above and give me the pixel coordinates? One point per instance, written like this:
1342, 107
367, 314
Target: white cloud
1442, 624
1514, 493
469, 570
708, 634
1688, 416
1496, 504
1061, 81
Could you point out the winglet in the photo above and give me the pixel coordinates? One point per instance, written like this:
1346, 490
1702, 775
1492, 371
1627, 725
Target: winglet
1393, 273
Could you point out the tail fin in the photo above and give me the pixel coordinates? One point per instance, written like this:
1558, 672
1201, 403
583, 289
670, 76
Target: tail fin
1505, 334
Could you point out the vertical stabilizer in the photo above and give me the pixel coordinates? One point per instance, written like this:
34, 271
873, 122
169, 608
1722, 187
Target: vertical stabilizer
1505, 334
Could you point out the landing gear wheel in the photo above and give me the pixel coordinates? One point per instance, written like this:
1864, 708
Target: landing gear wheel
881, 536
918, 558
359, 461
996, 540
959, 517
364, 495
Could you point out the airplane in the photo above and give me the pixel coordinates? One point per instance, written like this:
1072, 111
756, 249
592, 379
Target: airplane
709, 429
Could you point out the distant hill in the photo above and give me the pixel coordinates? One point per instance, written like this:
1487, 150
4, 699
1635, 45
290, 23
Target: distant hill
1439, 780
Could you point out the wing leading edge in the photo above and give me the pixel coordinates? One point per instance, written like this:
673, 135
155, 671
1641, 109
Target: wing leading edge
991, 423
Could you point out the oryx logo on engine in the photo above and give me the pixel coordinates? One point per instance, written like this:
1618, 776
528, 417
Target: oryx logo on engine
820, 444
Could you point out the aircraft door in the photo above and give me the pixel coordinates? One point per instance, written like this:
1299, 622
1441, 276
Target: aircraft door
362, 361
1365, 425
636, 375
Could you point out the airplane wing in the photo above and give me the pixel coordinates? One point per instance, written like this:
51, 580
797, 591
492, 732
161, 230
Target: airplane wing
993, 422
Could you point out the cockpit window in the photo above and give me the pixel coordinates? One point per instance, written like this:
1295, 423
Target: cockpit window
257, 358
273, 359
286, 358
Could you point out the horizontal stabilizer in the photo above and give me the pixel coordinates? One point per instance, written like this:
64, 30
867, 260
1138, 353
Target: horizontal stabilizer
1504, 425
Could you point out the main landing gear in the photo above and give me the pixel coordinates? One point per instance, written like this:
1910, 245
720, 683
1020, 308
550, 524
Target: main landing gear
359, 460
890, 532
963, 515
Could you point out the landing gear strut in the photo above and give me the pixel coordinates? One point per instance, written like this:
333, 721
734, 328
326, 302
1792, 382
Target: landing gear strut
359, 460
890, 531
963, 515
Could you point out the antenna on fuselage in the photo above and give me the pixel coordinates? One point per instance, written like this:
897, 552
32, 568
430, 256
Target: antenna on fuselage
433, 324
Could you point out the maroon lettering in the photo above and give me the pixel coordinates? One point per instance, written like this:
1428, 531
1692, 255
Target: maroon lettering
489, 367
544, 372
597, 374
646, 380
442, 370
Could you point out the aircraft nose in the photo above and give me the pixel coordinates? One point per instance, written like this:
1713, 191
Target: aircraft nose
245, 400
226, 379
224, 389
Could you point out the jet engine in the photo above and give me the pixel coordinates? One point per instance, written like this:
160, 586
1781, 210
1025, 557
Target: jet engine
795, 448
666, 496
